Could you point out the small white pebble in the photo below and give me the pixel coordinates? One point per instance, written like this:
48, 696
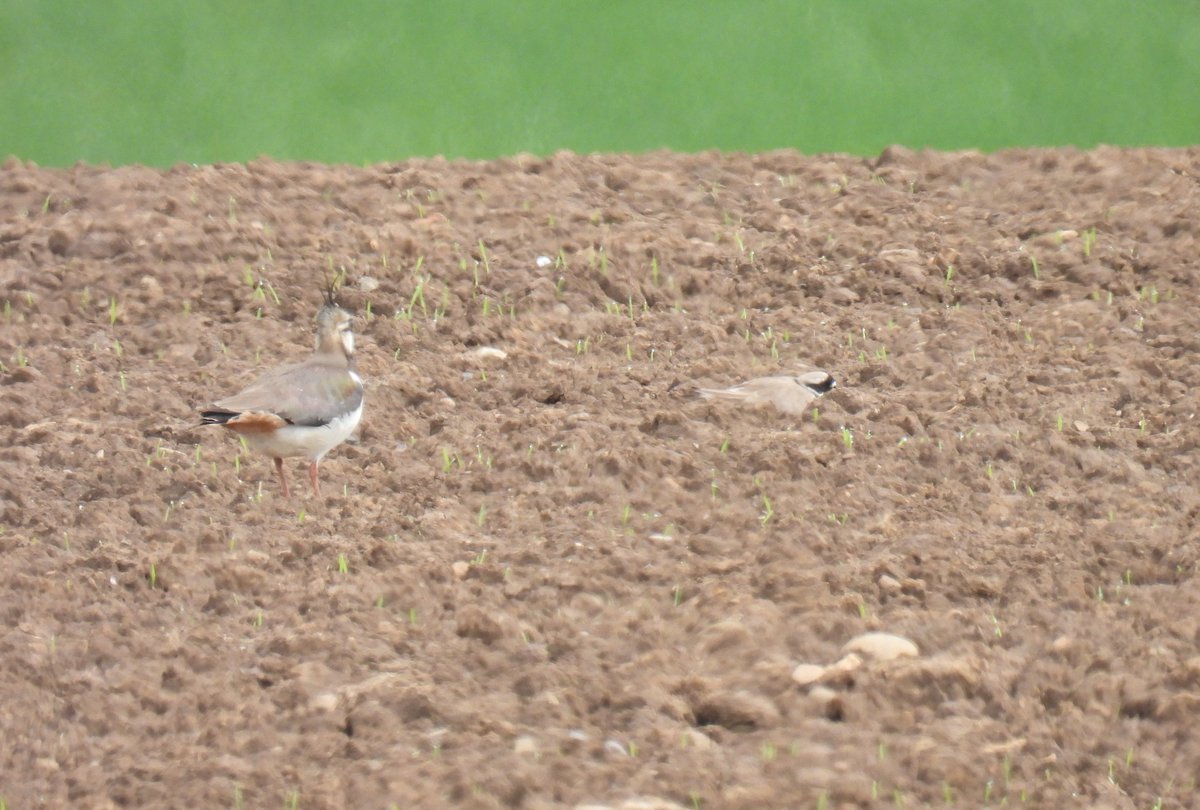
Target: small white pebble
807, 674
822, 694
614, 747
544, 261
325, 702
882, 646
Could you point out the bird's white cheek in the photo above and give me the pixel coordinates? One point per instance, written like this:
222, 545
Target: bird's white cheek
348, 342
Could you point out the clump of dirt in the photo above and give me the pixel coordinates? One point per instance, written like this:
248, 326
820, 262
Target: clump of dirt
546, 573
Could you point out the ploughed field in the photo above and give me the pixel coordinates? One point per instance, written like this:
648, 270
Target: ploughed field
545, 572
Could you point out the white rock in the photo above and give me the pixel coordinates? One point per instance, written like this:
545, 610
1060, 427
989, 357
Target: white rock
324, 702
544, 261
615, 747
822, 694
525, 745
807, 674
882, 646
649, 803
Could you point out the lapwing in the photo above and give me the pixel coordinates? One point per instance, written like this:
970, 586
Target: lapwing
304, 409
791, 395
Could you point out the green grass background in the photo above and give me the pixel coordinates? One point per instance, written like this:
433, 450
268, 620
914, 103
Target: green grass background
132, 81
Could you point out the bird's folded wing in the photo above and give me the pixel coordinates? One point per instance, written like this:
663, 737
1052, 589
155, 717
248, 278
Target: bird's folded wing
304, 394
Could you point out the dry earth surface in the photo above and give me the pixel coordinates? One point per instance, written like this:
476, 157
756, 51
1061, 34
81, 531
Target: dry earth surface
545, 573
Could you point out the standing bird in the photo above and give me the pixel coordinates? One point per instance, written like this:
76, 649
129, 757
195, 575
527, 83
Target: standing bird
304, 409
791, 395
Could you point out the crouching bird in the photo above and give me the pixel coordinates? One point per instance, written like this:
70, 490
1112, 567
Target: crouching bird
790, 395
304, 409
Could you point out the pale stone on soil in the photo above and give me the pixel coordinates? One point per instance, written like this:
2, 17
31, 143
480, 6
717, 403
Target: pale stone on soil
807, 674
639, 803
882, 646
822, 694
325, 702
525, 745
649, 803
889, 584
615, 747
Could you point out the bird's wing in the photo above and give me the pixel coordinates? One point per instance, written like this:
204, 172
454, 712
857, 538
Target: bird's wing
310, 393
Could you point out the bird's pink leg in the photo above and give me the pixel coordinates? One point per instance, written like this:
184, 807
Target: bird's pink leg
282, 477
312, 477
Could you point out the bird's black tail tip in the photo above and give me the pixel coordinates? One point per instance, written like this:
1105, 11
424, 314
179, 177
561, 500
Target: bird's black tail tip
216, 417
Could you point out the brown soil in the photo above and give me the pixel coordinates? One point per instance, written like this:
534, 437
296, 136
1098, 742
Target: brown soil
559, 577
